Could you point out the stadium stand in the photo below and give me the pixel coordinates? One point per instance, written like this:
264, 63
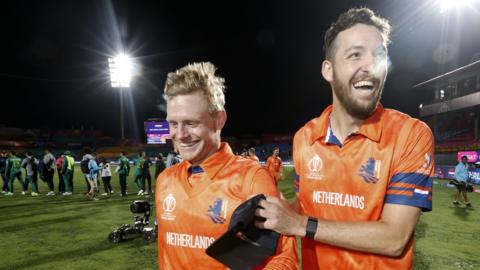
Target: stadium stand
453, 113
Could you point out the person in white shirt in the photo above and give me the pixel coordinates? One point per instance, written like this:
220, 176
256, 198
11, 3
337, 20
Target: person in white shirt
106, 175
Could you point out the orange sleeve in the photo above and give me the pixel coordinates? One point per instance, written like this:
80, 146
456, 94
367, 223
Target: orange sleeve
280, 168
263, 182
268, 163
286, 257
297, 161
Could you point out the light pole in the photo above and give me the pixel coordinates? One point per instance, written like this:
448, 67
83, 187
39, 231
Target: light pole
121, 70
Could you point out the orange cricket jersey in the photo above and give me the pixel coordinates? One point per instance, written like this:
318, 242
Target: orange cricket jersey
191, 217
274, 166
381, 163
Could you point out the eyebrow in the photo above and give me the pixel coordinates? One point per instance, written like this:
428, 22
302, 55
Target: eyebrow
358, 47
380, 47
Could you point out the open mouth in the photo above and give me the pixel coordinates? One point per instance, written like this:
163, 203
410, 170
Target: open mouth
364, 85
187, 145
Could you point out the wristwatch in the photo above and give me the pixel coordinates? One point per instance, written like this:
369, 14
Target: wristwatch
312, 224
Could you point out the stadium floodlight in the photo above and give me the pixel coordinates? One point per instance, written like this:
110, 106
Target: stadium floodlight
121, 70
121, 73
446, 5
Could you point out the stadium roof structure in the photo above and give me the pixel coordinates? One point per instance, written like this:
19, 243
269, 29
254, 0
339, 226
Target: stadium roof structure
454, 90
446, 77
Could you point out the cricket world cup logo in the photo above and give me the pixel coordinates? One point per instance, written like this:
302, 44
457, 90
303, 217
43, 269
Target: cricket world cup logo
169, 204
315, 165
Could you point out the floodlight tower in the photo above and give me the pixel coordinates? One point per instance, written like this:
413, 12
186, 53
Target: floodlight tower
121, 71
446, 5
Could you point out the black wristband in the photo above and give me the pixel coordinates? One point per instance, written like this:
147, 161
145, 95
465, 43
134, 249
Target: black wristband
311, 229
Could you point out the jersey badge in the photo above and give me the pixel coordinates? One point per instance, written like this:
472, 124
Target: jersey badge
315, 165
370, 171
217, 211
168, 205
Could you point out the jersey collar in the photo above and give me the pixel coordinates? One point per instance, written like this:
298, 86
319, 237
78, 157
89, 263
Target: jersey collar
371, 127
213, 164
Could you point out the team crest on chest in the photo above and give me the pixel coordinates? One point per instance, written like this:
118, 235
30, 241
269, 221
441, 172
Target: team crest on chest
314, 166
169, 204
370, 171
217, 211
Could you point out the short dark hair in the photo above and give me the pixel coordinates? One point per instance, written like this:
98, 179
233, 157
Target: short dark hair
348, 19
464, 157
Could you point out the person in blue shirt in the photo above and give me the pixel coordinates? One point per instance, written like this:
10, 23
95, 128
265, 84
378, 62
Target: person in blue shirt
92, 177
461, 175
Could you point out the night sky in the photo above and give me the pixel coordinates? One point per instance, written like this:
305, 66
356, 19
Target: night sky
54, 69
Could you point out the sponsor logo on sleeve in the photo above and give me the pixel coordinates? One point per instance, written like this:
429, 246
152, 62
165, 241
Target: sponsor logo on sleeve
427, 164
428, 161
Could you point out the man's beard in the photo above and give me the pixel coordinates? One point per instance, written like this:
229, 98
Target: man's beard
355, 109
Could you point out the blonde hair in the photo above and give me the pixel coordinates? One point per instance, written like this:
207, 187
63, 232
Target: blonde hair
197, 77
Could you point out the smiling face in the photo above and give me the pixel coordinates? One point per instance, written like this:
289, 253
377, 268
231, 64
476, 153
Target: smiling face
357, 70
195, 131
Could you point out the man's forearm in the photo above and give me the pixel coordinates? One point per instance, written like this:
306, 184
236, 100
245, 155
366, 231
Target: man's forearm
388, 236
370, 236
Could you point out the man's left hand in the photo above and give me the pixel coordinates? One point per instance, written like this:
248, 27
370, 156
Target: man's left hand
280, 217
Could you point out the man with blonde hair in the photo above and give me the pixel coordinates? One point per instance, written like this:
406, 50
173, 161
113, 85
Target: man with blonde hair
195, 198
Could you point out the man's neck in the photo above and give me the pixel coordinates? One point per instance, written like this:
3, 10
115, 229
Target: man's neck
343, 124
214, 150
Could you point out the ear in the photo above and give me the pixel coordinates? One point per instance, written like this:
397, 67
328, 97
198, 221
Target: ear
327, 70
220, 119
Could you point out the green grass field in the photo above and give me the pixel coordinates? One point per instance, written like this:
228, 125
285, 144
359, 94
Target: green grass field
71, 232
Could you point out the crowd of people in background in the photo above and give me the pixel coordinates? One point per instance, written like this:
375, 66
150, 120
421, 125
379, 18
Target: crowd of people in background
28, 169
96, 170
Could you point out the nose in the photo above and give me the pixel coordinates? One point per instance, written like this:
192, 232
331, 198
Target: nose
368, 64
373, 65
181, 132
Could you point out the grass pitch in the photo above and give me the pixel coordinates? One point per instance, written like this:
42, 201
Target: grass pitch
71, 232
